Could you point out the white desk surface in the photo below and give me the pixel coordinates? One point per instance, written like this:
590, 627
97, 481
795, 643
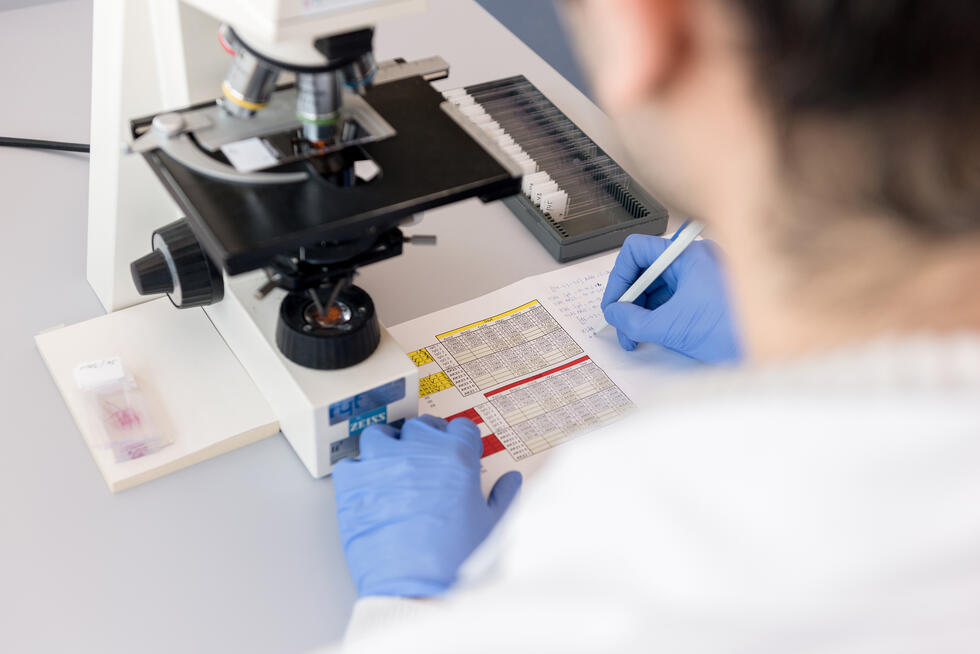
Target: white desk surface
239, 553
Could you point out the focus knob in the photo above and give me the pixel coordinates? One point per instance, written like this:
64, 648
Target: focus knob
179, 267
152, 275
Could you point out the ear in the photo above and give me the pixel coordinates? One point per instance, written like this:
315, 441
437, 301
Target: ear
632, 48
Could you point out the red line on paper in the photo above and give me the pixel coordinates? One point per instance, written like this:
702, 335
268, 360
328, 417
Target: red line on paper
469, 413
537, 376
491, 445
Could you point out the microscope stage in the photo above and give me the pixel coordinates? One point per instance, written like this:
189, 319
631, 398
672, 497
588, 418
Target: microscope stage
431, 161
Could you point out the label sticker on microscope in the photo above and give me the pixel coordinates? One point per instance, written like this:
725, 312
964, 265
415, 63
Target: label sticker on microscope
345, 448
360, 423
363, 403
350, 447
250, 155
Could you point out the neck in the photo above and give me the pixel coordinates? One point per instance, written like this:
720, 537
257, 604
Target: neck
854, 280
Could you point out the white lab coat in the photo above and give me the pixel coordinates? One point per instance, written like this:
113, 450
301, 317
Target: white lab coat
826, 505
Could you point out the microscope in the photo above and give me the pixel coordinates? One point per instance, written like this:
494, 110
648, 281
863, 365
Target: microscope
299, 173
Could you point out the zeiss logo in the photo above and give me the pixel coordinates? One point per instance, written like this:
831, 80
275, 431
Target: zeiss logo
360, 423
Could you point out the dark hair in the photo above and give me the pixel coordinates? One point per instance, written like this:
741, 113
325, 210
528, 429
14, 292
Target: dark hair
908, 69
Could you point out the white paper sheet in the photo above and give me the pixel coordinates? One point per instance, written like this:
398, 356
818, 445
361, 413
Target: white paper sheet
527, 365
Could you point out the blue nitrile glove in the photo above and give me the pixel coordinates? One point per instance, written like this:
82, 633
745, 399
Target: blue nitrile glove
410, 510
686, 309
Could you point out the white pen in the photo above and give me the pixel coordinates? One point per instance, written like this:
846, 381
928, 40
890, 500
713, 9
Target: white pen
689, 231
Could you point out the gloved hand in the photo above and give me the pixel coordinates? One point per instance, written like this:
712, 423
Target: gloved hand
410, 510
686, 309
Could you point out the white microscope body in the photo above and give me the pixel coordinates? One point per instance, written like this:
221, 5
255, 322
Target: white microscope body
155, 55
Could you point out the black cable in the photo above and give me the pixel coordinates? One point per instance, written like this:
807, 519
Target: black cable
6, 141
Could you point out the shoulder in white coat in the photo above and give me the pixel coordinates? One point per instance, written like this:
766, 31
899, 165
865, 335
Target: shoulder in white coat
828, 504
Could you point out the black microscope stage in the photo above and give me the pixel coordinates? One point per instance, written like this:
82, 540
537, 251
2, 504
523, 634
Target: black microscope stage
430, 162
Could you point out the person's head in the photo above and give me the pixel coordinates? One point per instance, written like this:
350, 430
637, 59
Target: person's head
832, 146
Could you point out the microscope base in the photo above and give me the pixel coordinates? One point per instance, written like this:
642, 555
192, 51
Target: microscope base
321, 412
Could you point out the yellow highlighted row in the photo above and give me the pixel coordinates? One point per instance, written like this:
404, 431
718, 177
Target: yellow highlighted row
420, 357
434, 383
489, 320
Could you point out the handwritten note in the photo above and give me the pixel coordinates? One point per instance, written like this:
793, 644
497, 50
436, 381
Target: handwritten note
578, 299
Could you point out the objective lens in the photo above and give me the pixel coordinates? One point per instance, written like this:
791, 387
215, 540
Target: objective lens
248, 85
359, 74
318, 102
